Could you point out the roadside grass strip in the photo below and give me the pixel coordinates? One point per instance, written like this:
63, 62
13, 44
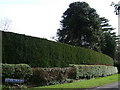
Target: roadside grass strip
87, 83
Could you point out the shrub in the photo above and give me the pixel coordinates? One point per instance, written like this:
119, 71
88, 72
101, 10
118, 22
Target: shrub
38, 52
71, 73
16, 71
40, 76
91, 71
47, 76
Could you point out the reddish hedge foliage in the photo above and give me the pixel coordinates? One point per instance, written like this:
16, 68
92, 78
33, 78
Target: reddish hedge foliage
47, 76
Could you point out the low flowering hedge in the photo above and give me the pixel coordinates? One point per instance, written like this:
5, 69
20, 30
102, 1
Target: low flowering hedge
91, 71
16, 71
49, 76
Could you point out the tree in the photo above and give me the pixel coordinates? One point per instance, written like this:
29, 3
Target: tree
80, 26
108, 44
118, 50
5, 24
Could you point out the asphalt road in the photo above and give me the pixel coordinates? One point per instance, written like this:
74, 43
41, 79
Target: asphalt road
113, 86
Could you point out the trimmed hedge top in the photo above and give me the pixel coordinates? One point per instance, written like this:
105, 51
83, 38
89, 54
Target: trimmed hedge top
39, 52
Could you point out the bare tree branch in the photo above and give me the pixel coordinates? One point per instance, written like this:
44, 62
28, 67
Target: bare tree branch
5, 24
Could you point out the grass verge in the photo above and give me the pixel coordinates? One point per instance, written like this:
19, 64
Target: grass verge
87, 83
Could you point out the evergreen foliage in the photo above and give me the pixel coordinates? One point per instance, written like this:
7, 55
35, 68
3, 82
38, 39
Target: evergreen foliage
37, 52
109, 39
80, 26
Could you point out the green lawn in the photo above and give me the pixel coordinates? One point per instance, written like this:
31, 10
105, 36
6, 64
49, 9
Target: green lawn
87, 83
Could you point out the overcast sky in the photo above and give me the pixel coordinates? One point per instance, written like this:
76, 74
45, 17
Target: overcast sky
41, 18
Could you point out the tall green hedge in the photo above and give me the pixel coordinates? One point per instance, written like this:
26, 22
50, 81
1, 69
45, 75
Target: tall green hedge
39, 52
